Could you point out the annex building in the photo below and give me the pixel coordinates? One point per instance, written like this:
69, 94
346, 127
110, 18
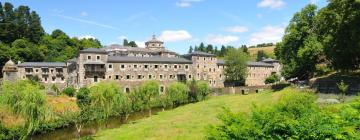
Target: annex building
130, 66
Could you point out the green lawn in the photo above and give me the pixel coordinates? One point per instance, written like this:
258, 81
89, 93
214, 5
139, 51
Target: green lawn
189, 121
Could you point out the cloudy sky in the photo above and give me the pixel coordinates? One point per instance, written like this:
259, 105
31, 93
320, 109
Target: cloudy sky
179, 23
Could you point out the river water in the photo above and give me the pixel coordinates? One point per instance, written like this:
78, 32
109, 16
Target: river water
69, 133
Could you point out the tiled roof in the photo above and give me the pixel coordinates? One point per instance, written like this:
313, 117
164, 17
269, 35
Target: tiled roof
93, 50
198, 53
42, 64
126, 59
220, 62
259, 64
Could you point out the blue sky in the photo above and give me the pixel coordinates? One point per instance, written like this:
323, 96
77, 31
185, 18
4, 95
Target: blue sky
179, 23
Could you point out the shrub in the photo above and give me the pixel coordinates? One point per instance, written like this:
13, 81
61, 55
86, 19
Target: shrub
69, 91
198, 90
296, 116
272, 79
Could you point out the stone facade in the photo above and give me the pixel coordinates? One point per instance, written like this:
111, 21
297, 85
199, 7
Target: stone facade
132, 66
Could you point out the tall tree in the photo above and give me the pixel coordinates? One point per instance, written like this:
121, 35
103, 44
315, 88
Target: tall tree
260, 55
202, 47
196, 48
210, 48
338, 27
222, 50
35, 30
244, 48
190, 49
125, 42
235, 66
295, 46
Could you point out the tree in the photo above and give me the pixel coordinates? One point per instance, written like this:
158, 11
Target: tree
198, 90
28, 100
125, 42
132, 44
222, 50
178, 93
190, 49
339, 33
69, 91
103, 97
150, 89
244, 49
209, 48
272, 79
299, 50
261, 55
202, 47
235, 66
35, 30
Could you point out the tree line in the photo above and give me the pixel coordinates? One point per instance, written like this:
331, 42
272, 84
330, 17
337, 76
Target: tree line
22, 38
214, 49
315, 38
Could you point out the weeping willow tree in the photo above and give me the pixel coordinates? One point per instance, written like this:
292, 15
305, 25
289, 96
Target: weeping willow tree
27, 100
149, 90
103, 96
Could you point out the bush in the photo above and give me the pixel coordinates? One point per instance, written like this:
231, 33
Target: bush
296, 116
272, 79
198, 90
69, 91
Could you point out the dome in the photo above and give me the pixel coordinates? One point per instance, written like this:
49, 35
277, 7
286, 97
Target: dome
154, 40
10, 63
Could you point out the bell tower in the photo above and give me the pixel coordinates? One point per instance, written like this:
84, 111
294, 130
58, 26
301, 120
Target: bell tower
155, 44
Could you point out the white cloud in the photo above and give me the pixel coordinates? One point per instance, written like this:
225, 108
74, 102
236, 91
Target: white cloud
267, 34
84, 14
314, 1
173, 36
186, 3
87, 37
237, 29
140, 44
273, 4
221, 39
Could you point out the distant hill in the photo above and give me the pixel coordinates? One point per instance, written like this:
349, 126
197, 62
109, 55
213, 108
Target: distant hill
268, 50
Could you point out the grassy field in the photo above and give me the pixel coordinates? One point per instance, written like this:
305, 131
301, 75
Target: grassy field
189, 121
267, 50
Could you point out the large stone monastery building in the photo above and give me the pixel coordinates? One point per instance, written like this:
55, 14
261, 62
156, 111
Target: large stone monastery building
130, 66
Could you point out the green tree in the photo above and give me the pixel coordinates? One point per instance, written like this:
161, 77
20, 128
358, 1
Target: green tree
28, 100
272, 79
244, 49
35, 30
103, 97
299, 50
69, 91
132, 44
125, 42
260, 55
210, 48
149, 90
222, 50
202, 47
190, 49
235, 66
178, 93
339, 32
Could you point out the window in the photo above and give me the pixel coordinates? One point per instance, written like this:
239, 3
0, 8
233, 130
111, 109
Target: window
127, 90
146, 66
127, 76
220, 75
98, 57
161, 89
171, 76
122, 66
150, 76
204, 58
117, 77
110, 66
166, 66
198, 66
53, 78
36, 70
189, 76
156, 66
45, 79
62, 78
175, 66
179, 66
161, 76
109, 77
186, 66
139, 76
88, 57
102, 66
135, 66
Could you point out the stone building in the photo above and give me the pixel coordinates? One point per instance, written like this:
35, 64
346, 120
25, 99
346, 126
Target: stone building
130, 66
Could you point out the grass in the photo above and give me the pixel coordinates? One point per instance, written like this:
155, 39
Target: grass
189, 121
268, 50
